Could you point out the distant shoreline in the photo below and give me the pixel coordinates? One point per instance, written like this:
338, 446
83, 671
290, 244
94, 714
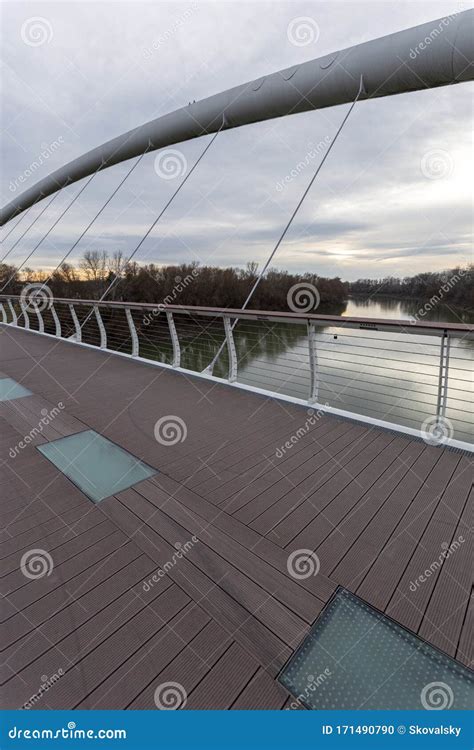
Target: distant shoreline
402, 298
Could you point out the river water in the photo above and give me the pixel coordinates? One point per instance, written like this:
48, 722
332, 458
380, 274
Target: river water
385, 375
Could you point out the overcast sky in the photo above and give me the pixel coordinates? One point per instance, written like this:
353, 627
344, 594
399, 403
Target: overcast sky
77, 74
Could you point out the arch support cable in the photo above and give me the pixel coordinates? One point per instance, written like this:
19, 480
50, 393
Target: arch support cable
210, 367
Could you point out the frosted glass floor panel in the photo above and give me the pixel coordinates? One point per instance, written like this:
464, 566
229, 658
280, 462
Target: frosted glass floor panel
356, 658
97, 466
10, 389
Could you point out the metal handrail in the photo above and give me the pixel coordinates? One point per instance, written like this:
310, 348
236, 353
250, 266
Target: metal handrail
414, 326
382, 378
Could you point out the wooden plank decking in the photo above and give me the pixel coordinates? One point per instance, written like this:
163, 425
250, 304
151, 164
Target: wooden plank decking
377, 508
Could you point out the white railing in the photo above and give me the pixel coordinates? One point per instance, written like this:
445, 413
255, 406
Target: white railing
412, 376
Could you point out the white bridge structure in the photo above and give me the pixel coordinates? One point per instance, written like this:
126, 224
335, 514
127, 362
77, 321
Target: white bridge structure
410, 376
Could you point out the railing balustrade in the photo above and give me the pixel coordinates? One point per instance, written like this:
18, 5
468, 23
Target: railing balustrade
413, 376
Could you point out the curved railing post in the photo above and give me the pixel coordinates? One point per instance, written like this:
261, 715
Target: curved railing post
57, 323
25, 314
13, 312
174, 340
133, 332
100, 323
232, 376
40, 319
443, 376
313, 364
77, 335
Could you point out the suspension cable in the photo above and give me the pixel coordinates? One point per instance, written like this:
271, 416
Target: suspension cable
29, 227
155, 222
210, 367
23, 215
50, 229
113, 193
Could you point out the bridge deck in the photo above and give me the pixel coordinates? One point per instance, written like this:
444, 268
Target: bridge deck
378, 509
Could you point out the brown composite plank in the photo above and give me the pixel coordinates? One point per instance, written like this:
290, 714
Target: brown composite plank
321, 586
335, 545
276, 499
358, 559
281, 586
263, 692
139, 672
230, 613
465, 650
253, 596
68, 614
444, 615
189, 667
383, 577
307, 498
222, 685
